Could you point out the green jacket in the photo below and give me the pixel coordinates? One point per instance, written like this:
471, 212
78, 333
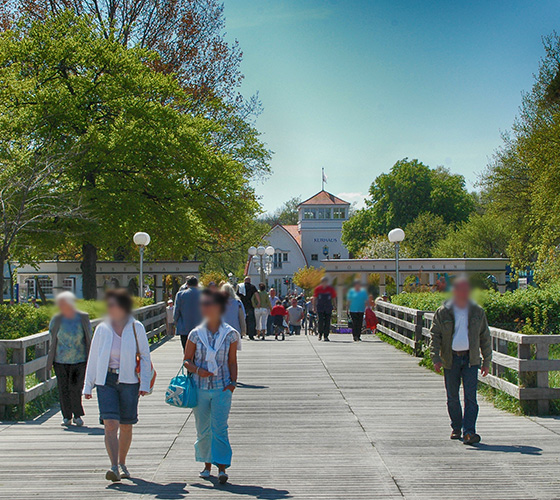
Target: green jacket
442, 330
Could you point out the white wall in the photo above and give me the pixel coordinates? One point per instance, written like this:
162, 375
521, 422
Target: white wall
316, 234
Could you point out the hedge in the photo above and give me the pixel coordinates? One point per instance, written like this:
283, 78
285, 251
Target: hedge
22, 320
532, 310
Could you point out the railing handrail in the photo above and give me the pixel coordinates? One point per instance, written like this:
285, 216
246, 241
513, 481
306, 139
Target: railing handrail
152, 316
416, 334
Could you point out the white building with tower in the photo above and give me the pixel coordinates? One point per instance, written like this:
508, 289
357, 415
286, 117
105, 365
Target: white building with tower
317, 236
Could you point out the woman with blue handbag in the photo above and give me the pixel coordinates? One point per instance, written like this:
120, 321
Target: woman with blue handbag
211, 356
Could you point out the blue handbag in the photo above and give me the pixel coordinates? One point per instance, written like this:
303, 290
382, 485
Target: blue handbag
182, 391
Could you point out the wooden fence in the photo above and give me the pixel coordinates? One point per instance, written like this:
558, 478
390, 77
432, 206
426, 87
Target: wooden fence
522, 365
23, 362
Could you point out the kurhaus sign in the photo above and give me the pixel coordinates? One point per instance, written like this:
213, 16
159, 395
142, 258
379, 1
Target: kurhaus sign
325, 240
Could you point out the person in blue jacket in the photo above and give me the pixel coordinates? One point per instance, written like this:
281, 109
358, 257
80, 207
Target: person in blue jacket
187, 314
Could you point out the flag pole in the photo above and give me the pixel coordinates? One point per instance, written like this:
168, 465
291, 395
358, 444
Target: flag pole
323, 179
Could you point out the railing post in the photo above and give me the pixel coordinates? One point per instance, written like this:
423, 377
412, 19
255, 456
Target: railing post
419, 324
543, 406
18, 358
40, 351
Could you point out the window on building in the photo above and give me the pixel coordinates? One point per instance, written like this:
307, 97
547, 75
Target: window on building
314, 256
277, 261
339, 213
46, 285
324, 213
69, 284
285, 257
309, 213
30, 285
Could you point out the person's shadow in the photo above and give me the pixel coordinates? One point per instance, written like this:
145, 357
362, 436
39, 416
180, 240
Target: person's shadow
92, 431
171, 491
504, 448
258, 492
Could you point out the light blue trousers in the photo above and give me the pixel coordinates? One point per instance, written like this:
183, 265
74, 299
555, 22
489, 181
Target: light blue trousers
211, 415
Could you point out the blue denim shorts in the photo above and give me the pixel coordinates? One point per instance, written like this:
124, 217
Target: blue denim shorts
118, 401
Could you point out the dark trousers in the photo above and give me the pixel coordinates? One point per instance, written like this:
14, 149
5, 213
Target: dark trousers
269, 325
251, 323
324, 324
357, 322
184, 339
70, 380
462, 371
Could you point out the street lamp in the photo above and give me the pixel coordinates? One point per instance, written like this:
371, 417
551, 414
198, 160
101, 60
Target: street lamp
142, 240
262, 259
396, 236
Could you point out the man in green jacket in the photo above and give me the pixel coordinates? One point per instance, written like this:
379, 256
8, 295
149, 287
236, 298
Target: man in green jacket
460, 334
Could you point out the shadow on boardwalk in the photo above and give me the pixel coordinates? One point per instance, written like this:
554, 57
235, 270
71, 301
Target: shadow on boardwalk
177, 491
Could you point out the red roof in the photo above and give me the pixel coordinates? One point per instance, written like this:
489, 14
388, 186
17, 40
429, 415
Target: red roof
293, 230
324, 198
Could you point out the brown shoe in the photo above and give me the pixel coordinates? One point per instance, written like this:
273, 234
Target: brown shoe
456, 435
471, 439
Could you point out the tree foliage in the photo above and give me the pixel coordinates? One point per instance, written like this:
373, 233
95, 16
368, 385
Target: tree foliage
137, 161
423, 233
308, 277
397, 198
482, 236
379, 247
286, 214
523, 179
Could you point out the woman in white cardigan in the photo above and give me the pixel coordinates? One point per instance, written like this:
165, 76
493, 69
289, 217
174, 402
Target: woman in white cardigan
112, 370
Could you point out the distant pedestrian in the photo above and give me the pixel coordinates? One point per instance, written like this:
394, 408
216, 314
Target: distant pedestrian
234, 315
295, 317
34, 303
324, 298
279, 314
358, 299
70, 331
112, 369
187, 310
246, 292
211, 355
460, 334
273, 301
371, 318
169, 317
261, 303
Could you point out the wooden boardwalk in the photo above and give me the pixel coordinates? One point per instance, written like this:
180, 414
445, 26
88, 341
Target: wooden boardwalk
310, 421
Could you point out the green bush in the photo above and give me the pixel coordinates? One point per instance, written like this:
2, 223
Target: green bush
23, 319
533, 310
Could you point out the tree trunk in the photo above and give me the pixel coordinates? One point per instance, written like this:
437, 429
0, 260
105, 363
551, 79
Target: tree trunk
89, 271
39, 291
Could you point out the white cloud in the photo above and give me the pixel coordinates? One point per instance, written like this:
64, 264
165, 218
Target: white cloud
358, 198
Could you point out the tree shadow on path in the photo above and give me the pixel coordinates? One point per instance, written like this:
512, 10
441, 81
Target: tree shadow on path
258, 492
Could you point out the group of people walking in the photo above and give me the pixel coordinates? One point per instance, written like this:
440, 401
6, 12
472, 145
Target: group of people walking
210, 322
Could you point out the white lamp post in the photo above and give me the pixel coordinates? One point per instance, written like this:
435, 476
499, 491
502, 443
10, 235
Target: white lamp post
396, 236
142, 240
262, 259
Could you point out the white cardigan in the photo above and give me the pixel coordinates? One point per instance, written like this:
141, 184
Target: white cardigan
100, 352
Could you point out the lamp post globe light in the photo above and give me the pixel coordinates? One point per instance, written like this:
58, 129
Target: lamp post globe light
396, 236
262, 260
142, 240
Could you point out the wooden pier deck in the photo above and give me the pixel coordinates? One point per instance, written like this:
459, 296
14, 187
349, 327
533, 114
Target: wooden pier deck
310, 420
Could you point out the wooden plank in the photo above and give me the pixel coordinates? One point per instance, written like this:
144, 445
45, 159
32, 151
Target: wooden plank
506, 361
396, 336
539, 393
501, 384
397, 321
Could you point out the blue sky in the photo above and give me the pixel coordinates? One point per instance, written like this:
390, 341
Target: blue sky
353, 86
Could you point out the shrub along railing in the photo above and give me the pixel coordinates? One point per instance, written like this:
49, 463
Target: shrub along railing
23, 362
523, 366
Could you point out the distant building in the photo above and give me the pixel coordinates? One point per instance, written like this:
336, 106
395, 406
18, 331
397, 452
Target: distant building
58, 275
317, 236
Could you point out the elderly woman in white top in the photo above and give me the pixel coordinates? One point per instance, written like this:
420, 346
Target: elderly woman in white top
112, 370
211, 355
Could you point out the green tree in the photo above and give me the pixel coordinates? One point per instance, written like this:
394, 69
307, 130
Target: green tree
523, 180
286, 214
136, 160
379, 247
482, 236
423, 233
400, 196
